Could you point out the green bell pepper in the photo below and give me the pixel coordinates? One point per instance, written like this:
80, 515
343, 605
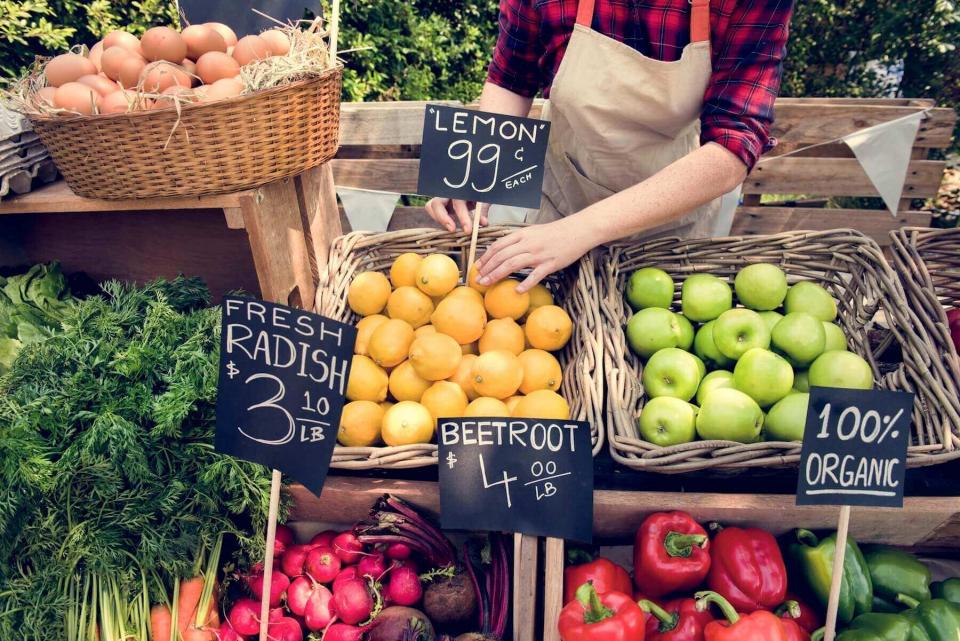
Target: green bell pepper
895, 573
877, 627
812, 563
932, 620
949, 590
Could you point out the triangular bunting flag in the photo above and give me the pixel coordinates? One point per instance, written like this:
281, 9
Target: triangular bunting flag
368, 210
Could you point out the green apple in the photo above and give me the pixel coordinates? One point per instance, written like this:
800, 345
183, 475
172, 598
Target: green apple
653, 329
761, 287
771, 319
704, 297
671, 372
729, 415
809, 297
700, 366
706, 348
667, 421
836, 340
786, 420
800, 337
650, 287
800, 381
716, 379
686, 332
841, 369
764, 376
740, 330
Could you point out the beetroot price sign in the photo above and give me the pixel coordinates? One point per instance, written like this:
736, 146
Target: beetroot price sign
283, 377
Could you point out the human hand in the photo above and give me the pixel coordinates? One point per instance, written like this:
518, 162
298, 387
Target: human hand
442, 210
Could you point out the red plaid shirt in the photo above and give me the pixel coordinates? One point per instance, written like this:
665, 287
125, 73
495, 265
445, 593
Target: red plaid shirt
748, 37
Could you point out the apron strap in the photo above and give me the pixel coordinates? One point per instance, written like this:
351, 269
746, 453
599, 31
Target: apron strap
585, 13
699, 20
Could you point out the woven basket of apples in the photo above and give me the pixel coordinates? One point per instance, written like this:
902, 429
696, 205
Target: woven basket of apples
185, 113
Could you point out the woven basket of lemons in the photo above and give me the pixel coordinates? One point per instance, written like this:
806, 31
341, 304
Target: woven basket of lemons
433, 343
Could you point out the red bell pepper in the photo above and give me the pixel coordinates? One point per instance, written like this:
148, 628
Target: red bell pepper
601, 617
670, 554
789, 614
748, 569
604, 574
678, 620
807, 617
757, 626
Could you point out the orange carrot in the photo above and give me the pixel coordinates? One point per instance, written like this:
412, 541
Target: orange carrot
193, 633
160, 623
190, 592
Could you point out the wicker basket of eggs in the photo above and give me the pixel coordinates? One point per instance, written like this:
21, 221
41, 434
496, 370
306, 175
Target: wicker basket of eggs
185, 113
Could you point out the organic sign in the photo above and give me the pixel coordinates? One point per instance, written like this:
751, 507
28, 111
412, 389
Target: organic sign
855, 447
482, 157
283, 376
239, 14
517, 475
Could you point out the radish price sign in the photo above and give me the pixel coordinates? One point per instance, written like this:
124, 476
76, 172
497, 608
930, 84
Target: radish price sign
517, 475
855, 447
283, 377
482, 157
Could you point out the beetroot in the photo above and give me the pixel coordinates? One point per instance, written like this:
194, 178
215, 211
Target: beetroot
325, 538
283, 540
293, 559
450, 600
372, 565
319, 609
404, 587
245, 616
284, 629
343, 632
278, 587
401, 623
348, 547
322, 565
398, 551
346, 574
352, 601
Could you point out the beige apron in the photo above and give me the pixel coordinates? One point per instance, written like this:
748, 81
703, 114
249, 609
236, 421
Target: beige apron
619, 117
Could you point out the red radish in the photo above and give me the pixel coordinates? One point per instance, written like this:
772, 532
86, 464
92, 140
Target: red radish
245, 616
345, 575
292, 561
299, 593
319, 610
404, 587
284, 629
226, 633
342, 632
160, 623
322, 565
372, 565
348, 547
407, 563
278, 586
325, 538
352, 601
398, 551
275, 614
283, 541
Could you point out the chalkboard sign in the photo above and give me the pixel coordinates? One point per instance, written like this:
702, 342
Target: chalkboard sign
283, 376
238, 14
517, 475
855, 447
482, 157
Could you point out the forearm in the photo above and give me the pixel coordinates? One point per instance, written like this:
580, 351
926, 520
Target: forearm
688, 183
503, 101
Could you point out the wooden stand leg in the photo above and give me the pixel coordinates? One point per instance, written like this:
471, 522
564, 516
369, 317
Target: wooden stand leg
553, 588
524, 586
321, 215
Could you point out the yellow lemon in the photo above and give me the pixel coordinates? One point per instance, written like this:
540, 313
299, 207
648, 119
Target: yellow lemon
539, 297
386, 405
472, 280
407, 423
423, 330
511, 403
470, 348
435, 356
549, 328
487, 407
445, 400
466, 292
406, 384
365, 329
390, 343
503, 334
497, 374
437, 275
461, 318
368, 381
541, 370
543, 404
403, 271
503, 301
464, 376
411, 305
360, 424
368, 293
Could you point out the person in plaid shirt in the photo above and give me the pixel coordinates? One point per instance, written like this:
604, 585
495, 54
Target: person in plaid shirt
657, 108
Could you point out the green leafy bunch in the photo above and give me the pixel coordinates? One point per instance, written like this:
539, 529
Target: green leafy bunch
107, 465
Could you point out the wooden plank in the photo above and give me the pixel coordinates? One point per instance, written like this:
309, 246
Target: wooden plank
799, 123
347, 499
525, 582
553, 563
751, 221
833, 177
384, 123
399, 176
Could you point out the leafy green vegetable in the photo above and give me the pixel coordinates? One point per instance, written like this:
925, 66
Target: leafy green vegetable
107, 466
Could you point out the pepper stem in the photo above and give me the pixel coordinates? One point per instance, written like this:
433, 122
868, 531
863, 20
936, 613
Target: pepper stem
579, 556
668, 621
908, 601
706, 599
594, 609
680, 546
789, 607
807, 538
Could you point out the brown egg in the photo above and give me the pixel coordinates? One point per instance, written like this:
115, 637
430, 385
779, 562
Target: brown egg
122, 39
172, 95
98, 83
76, 97
191, 68
215, 66
251, 49
113, 58
118, 102
44, 96
278, 41
130, 71
95, 54
164, 75
201, 39
222, 89
225, 32
66, 68
163, 43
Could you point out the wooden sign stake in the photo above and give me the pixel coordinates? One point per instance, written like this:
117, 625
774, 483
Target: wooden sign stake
843, 527
268, 554
334, 32
474, 236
